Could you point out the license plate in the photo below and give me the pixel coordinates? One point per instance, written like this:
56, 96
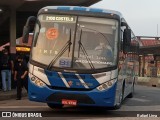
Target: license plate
69, 102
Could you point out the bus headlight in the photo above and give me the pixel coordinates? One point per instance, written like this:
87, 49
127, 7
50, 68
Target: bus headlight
106, 85
37, 81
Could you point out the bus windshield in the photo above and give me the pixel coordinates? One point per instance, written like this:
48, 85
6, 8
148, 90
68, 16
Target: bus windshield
75, 42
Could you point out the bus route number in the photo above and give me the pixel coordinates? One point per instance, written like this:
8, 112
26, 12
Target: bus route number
65, 63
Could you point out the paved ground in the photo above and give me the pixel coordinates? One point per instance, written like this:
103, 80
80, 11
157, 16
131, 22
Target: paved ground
146, 101
10, 94
145, 98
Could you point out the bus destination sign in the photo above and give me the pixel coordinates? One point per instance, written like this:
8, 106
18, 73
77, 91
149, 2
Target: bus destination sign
51, 18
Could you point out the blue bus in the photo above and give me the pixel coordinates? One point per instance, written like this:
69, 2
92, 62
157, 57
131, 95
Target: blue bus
81, 56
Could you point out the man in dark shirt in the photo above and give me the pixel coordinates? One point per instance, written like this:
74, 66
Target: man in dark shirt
20, 75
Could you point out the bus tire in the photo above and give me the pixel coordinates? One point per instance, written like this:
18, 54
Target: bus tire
55, 106
132, 92
118, 105
122, 94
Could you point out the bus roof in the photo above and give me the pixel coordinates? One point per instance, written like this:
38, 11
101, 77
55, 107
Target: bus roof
79, 8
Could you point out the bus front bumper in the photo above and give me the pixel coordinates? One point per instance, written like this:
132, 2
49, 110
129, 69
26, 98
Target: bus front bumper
93, 97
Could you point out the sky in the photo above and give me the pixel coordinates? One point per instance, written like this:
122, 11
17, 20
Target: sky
143, 16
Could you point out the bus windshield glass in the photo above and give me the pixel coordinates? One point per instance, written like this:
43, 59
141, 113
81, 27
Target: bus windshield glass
75, 42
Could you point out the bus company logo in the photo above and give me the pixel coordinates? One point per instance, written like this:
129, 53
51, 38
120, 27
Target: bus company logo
52, 33
6, 114
70, 83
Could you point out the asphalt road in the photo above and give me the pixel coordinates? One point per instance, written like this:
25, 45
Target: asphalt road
145, 103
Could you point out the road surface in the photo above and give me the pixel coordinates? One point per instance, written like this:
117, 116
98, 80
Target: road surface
145, 103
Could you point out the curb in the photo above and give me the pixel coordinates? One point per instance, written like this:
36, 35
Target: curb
149, 81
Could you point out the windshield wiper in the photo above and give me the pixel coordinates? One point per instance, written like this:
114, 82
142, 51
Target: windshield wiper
79, 42
69, 40
84, 52
64, 48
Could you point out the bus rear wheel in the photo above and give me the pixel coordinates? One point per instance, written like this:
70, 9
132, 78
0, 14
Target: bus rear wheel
55, 106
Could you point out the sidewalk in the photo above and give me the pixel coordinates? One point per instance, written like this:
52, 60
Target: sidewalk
11, 94
149, 81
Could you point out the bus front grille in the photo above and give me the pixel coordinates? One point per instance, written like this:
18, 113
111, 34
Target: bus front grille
81, 98
70, 89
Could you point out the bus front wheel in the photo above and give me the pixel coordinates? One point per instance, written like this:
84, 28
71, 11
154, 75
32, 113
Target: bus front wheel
132, 91
55, 106
118, 105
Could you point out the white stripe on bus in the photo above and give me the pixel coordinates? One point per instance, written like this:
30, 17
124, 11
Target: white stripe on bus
64, 80
81, 80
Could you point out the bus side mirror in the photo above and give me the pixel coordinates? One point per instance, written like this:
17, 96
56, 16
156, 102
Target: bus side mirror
28, 28
25, 35
127, 37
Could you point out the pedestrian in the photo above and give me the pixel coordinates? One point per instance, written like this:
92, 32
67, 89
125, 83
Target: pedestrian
6, 69
20, 76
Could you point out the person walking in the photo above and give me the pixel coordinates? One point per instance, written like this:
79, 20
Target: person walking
20, 76
6, 69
